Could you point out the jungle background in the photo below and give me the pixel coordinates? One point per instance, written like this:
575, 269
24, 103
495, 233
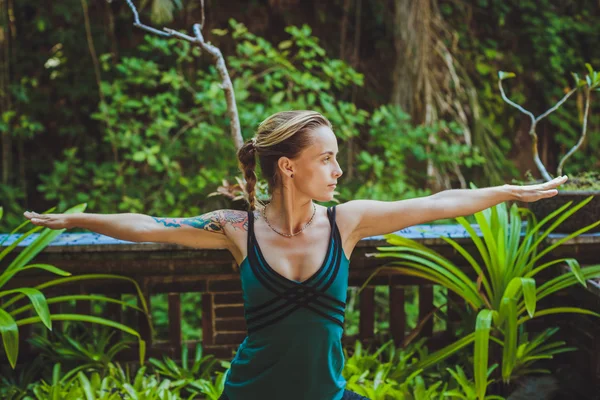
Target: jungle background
95, 110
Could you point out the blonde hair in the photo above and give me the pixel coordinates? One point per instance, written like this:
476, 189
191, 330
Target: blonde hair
284, 134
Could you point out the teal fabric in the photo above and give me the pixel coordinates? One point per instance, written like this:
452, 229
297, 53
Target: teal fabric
293, 349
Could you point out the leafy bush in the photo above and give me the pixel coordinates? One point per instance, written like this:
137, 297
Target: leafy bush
13, 313
505, 293
166, 145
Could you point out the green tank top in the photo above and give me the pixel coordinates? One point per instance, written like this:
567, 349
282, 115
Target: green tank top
293, 349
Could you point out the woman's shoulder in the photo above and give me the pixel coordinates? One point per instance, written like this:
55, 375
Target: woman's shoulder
347, 217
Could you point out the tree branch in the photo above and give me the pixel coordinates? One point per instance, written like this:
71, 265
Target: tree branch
226, 84
561, 165
532, 133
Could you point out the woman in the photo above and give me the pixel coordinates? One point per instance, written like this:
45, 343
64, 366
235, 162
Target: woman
293, 254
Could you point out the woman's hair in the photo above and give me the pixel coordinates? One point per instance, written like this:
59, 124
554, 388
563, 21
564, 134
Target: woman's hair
284, 134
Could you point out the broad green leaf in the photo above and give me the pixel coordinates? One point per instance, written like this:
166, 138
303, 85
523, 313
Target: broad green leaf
559, 310
509, 352
513, 290
565, 280
542, 267
422, 272
576, 269
71, 279
529, 294
77, 297
50, 268
86, 386
480, 363
38, 301
436, 263
10, 337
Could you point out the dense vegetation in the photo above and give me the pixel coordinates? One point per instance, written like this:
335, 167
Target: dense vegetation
96, 111
129, 122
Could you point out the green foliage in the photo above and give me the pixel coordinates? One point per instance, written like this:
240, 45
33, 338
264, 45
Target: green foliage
12, 307
384, 374
467, 390
506, 294
116, 384
79, 347
15, 383
385, 168
542, 42
194, 378
72, 365
166, 127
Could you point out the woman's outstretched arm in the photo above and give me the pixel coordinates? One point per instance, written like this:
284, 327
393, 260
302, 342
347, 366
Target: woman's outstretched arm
379, 217
205, 231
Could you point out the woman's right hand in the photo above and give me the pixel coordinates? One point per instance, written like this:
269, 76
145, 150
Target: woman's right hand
52, 221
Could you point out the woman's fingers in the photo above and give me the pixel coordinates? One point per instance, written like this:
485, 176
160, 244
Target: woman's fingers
556, 182
52, 221
36, 218
549, 193
544, 190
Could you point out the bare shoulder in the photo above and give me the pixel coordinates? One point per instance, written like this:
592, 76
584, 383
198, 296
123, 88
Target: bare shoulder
348, 217
351, 212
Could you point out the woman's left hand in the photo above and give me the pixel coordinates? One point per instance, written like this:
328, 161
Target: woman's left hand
531, 193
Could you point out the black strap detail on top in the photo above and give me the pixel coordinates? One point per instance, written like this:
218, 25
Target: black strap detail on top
291, 293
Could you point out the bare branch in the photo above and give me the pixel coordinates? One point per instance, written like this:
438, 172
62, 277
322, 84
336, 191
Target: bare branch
226, 84
534, 137
561, 165
202, 15
173, 33
515, 105
138, 24
555, 107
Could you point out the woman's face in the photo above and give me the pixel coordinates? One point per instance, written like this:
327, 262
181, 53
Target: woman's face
316, 169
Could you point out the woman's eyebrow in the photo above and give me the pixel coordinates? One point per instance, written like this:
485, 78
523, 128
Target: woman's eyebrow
327, 152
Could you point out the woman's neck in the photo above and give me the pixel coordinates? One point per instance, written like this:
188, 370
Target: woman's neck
289, 214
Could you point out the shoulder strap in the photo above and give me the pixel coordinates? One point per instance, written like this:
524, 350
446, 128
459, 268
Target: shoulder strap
250, 229
331, 215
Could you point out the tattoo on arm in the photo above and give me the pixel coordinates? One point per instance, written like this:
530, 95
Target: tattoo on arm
214, 221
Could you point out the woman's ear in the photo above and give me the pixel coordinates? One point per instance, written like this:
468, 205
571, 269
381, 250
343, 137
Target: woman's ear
286, 166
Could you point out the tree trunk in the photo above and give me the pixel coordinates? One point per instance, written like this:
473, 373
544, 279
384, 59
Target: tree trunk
5, 100
403, 90
412, 88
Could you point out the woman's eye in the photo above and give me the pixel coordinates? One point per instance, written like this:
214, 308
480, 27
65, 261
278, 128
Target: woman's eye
327, 158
